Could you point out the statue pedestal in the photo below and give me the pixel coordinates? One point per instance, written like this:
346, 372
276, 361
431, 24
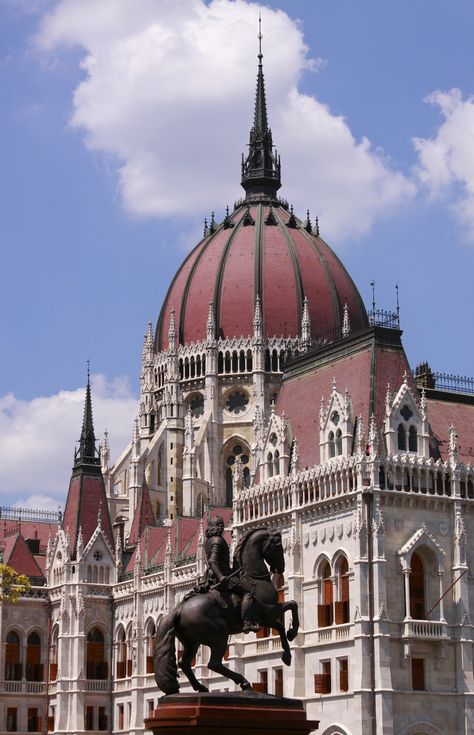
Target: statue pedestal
231, 713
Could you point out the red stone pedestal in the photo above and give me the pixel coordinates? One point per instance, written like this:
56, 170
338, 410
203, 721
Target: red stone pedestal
222, 713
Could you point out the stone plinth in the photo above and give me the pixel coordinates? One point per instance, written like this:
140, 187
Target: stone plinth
226, 713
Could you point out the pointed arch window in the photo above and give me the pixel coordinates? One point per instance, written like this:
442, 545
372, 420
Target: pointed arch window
121, 655
417, 588
96, 664
331, 444
235, 451
401, 438
34, 668
341, 607
13, 667
412, 439
338, 442
325, 609
150, 646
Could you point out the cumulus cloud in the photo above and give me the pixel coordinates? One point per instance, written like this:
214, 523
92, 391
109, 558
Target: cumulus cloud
168, 93
446, 161
38, 437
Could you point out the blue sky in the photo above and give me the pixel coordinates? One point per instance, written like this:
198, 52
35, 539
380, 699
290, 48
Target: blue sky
121, 128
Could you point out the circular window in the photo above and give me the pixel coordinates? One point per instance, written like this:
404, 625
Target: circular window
197, 406
237, 402
335, 418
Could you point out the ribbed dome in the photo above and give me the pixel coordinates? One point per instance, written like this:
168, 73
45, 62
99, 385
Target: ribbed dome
260, 250
280, 263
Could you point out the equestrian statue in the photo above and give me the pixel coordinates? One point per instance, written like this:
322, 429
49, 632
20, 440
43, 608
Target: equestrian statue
237, 599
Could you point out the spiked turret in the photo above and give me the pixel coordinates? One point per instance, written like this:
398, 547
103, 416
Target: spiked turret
261, 168
87, 455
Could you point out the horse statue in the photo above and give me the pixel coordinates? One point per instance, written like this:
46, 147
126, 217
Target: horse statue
200, 620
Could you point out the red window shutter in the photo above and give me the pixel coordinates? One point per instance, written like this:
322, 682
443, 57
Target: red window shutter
328, 591
339, 613
322, 684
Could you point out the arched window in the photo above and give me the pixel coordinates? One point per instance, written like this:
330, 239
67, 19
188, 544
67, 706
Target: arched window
234, 451
401, 438
412, 439
150, 647
417, 588
270, 464
338, 442
53, 655
342, 611
34, 669
325, 612
121, 654
332, 444
276, 462
13, 669
96, 665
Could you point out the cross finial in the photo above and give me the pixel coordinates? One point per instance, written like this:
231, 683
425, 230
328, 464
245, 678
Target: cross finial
260, 55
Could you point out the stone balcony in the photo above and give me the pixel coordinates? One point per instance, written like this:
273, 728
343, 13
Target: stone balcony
427, 630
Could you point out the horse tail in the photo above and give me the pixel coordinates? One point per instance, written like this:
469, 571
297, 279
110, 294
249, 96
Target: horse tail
164, 663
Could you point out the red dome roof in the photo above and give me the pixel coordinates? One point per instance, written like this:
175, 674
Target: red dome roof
282, 264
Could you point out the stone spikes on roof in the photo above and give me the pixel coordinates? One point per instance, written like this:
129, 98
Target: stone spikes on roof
346, 324
172, 332
211, 323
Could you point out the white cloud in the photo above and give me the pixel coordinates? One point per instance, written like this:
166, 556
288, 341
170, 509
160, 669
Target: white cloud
168, 92
446, 161
38, 437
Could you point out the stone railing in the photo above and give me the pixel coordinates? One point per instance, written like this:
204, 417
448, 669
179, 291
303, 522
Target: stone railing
425, 629
23, 687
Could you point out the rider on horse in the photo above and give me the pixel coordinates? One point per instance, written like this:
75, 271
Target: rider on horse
222, 577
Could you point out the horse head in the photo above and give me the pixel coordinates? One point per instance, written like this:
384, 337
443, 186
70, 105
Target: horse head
272, 550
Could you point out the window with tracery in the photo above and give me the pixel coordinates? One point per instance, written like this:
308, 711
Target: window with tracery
240, 451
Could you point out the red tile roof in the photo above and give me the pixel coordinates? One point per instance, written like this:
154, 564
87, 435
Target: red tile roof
86, 496
142, 517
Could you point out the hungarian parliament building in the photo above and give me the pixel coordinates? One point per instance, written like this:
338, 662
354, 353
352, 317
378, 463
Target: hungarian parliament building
269, 395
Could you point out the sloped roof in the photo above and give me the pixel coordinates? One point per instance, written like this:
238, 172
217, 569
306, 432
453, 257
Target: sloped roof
143, 516
17, 554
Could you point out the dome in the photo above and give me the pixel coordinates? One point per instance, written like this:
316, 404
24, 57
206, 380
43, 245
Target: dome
262, 251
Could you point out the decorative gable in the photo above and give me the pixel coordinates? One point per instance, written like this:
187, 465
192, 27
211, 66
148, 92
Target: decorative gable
275, 447
336, 426
406, 423
422, 537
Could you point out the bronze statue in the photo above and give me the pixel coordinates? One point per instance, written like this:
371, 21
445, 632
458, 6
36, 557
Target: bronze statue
222, 578
232, 600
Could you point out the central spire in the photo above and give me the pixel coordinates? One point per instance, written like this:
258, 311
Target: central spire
261, 168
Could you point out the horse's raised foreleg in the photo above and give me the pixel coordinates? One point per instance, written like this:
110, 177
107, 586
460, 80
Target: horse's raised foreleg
215, 664
295, 621
286, 655
185, 664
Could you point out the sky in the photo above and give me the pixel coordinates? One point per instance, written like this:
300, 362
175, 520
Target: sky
122, 124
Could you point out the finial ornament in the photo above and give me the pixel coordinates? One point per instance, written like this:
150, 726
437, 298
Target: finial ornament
305, 326
346, 325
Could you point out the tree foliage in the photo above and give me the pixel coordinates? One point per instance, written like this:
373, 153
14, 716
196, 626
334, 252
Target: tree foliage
12, 584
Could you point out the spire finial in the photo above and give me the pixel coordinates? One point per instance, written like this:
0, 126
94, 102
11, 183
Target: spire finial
86, 453
261, 167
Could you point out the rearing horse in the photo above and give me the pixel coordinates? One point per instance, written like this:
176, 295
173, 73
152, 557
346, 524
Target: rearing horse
199, 620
